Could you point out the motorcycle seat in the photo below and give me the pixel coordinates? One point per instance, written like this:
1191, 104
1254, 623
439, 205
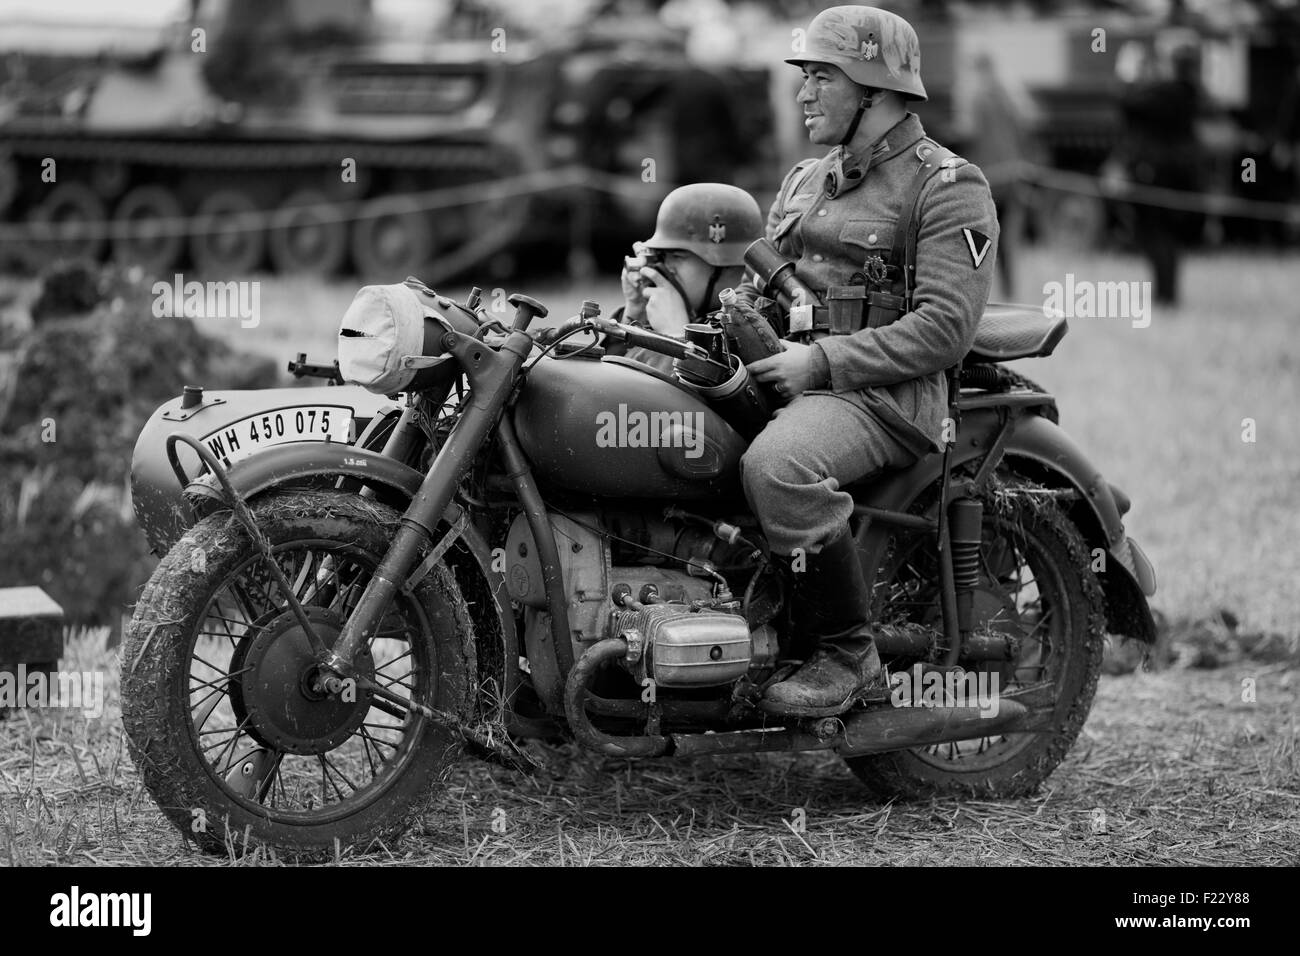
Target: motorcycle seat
1008, 331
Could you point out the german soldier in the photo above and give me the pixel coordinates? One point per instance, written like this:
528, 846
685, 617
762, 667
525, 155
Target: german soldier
697, 250
876, 397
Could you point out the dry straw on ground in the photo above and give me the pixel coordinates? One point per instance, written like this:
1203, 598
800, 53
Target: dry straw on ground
1171, 768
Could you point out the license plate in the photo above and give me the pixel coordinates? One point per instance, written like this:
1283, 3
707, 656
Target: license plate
248, 436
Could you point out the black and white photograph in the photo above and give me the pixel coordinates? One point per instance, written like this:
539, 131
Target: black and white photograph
651, 433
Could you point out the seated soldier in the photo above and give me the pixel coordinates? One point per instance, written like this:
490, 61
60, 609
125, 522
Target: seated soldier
698, 250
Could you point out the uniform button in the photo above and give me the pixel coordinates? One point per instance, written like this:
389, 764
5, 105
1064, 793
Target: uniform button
821, 212
817, 257
871, 238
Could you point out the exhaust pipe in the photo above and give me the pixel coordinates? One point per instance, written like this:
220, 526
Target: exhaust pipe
861, 732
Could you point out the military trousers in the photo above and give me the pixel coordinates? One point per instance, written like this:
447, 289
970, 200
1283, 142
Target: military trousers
795, 469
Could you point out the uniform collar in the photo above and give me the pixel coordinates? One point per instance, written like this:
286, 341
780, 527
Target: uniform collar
848, 170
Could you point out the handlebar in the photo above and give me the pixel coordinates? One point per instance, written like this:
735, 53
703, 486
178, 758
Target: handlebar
642, 338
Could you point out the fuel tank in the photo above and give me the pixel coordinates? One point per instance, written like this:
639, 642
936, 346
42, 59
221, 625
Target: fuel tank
234, 425
616, 428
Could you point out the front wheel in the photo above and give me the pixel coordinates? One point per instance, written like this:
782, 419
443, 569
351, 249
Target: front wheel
230, 732
1036, 587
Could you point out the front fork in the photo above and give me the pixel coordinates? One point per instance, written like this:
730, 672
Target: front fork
492, 375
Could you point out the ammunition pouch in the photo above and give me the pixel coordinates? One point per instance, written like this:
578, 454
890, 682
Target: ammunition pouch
852, 308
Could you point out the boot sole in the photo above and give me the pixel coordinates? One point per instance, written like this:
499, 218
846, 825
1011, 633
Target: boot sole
805, 710
868, 695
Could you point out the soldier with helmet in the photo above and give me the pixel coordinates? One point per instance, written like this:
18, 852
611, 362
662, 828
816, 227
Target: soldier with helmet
697, 250
874, 396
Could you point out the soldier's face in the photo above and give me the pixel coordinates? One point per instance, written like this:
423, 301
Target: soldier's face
691, 271
829, 100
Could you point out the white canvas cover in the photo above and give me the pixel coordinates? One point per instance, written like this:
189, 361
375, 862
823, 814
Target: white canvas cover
383, 325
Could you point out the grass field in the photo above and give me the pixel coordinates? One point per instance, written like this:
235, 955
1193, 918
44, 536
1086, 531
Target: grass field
1173, 767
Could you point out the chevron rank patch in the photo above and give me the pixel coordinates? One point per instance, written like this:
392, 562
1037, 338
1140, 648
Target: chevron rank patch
978, 244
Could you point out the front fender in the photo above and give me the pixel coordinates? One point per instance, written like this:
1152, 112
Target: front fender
1041, 451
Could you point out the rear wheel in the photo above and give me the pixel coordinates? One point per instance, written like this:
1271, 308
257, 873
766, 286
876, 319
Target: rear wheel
1036, 587
232, 737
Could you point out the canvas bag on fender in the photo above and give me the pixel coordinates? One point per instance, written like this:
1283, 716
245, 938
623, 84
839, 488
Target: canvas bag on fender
383, 325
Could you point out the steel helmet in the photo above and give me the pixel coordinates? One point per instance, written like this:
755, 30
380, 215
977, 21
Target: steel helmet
715, 221
873, 47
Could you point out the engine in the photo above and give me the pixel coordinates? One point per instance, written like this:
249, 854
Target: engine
684, 628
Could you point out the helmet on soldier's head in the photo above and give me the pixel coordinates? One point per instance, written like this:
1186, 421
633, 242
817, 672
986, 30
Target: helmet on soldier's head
873, 47
714, 221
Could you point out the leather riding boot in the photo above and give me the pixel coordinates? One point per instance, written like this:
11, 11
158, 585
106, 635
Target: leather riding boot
831, 603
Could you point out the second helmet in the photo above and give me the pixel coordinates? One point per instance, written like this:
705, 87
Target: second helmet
715, 221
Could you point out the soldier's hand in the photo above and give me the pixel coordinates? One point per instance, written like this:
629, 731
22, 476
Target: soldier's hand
788, 372
664, 310
633, 294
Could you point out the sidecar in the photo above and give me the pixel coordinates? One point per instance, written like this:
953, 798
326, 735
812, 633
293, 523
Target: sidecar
235, 425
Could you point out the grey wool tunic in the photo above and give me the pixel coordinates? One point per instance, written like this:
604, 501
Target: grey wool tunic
832, 213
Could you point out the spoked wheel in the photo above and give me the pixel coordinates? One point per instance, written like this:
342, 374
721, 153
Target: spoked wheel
225, 715
1036, 588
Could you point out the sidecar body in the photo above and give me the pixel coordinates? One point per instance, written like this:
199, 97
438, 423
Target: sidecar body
235, 425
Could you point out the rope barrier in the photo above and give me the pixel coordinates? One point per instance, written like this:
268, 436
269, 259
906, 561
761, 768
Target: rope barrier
588, 179
1184, 200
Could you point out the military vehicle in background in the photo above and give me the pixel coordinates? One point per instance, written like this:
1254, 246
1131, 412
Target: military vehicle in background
1070, 70
290, 134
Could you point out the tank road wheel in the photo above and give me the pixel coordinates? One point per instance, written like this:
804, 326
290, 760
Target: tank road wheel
140, 240
231, 733
308, 234
229, 237
391, 241
70, 224
110, 179
1035, 584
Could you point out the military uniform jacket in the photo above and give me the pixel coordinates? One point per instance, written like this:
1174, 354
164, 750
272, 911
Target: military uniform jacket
832, 213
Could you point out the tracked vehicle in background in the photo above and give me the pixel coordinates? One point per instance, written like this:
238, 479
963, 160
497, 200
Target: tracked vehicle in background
285, 136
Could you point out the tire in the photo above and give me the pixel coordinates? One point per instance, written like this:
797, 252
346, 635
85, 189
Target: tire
1022, 530
194, 615
228, 237
308, 235
155, 249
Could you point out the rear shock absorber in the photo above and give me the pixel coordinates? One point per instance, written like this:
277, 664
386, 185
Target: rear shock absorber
965, 517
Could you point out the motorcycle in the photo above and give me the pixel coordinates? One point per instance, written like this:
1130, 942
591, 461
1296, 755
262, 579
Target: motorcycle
508, 535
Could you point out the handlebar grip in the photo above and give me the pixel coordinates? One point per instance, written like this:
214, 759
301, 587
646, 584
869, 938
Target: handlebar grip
526, 309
